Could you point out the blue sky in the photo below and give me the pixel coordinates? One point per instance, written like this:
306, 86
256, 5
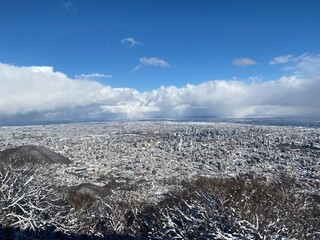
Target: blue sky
144, 45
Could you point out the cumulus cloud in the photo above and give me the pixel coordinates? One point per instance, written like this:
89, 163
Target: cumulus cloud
39, 88
151, 61
39, 92
93, 75
281, 59
130, 42
244, 62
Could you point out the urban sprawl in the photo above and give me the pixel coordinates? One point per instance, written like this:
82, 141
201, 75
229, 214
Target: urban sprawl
156, 157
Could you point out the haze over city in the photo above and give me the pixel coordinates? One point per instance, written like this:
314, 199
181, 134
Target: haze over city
82, 60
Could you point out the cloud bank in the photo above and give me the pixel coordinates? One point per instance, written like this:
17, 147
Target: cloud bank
41, 92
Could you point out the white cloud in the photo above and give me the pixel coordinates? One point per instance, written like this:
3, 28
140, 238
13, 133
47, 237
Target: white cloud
151, 61
156, 62
130, 42
281, 59
308, 65
37, 88
136, 68
68, 5
244, 62
93, 75
39, 92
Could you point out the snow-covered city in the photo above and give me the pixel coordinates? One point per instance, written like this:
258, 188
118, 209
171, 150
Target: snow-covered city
145, 161
157, 152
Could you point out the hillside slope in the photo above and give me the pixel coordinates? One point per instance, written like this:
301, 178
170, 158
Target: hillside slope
19, 156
